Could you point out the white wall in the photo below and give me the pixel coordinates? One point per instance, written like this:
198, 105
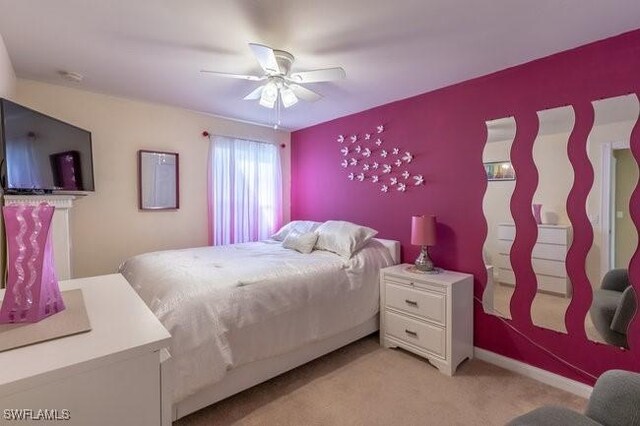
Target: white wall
7, 75
107, 227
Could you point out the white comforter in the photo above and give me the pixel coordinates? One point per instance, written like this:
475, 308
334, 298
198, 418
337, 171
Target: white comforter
226, 306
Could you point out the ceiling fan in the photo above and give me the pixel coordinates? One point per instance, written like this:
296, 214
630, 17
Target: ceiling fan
280, 82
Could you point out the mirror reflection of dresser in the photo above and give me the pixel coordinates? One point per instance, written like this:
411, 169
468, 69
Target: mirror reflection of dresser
548, 257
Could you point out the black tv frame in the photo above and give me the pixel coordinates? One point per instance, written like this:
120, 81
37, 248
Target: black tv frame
37, 191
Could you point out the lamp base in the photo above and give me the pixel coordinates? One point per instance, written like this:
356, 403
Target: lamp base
423, 263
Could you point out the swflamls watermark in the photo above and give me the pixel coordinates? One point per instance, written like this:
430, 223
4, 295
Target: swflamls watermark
44, 414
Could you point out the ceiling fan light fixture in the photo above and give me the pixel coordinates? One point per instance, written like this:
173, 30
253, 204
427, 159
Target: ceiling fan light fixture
288, 97
269, 95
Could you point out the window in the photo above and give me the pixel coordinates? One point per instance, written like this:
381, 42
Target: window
245, 190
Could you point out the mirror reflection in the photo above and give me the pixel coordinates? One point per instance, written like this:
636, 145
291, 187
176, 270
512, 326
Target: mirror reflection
158, 180
497, 212
615, 237
555, 179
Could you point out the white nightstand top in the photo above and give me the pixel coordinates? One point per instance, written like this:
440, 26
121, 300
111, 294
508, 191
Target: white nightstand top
444, 277
122, 327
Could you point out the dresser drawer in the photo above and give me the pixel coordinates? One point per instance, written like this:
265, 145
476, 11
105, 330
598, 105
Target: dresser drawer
430, 338
506, 232
427, 304
540, 250
549, 267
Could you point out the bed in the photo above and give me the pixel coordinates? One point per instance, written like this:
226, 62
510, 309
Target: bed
244, 313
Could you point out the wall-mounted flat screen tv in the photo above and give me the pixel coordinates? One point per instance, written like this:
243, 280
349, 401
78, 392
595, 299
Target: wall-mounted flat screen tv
41, 154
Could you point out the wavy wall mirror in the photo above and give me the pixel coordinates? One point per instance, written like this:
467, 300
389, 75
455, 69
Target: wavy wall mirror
555, 179
615, 237
497, 212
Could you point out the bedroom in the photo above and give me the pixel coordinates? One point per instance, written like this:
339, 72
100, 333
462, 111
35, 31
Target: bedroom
455, 93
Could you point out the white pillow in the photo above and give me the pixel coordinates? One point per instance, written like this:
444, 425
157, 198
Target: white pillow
302, 242
300, 226
343, 238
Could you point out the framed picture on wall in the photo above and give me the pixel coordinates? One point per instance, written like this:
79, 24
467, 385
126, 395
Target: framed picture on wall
500, 170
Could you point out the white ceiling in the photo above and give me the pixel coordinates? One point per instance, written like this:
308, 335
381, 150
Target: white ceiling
153, 49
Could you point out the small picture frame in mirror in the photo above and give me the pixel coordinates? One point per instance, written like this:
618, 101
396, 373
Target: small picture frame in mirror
500, 170
158, 180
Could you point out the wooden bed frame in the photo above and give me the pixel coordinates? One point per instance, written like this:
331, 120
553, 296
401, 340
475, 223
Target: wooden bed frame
254, 373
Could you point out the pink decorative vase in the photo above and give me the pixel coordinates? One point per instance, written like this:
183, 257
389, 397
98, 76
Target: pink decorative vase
536, 213
32, 292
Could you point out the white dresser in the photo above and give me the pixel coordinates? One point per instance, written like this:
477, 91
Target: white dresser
548, 257
428, 314
112, 375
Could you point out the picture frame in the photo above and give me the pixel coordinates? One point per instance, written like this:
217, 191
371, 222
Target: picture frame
158, 180
499, 171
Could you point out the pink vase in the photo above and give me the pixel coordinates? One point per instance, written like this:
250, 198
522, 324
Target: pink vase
536, 213
32, 292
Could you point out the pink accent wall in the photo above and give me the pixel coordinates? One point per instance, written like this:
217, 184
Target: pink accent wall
445, 131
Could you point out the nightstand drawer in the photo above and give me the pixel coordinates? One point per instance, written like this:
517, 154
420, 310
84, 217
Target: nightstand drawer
424, 303
425, 336
414, 283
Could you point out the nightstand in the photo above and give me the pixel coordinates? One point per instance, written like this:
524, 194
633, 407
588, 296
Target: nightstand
430, 315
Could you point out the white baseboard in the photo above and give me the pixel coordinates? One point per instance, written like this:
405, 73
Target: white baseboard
535, 373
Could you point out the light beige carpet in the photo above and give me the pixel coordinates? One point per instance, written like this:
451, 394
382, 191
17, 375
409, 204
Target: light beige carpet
364, 384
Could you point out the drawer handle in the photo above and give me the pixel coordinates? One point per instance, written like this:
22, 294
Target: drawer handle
411, 302
411, 333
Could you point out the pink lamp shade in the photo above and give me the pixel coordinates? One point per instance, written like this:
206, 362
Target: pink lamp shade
423, 230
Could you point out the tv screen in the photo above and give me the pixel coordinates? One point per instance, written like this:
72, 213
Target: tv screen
42, 154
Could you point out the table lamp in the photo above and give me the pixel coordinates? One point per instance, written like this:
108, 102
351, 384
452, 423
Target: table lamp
423, 234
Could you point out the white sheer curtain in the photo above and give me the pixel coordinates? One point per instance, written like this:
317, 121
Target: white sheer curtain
245, 190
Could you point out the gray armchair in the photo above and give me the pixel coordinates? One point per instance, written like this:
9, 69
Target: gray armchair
613, 306
615, 401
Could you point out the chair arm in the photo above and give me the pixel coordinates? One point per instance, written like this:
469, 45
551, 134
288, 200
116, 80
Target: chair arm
616, 399
625, 311
552, 416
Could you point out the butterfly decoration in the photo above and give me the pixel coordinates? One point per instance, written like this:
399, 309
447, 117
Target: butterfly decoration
360, 155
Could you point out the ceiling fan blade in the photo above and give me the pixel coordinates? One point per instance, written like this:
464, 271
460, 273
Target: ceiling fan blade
266, 58
304, 93
238, 76
318, 76
255, 94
